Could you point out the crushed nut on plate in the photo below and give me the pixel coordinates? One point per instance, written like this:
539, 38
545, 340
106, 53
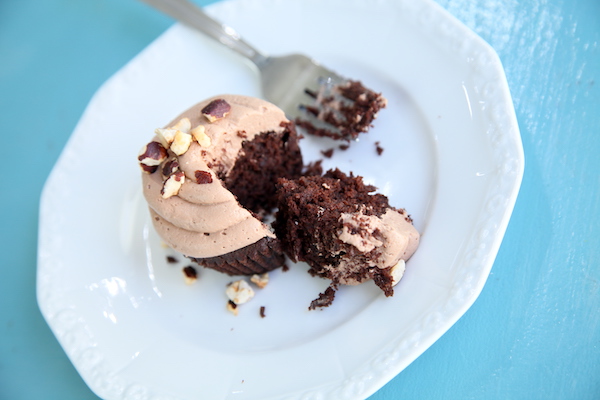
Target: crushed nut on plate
232, 307
260, 280
239, 292
191, 275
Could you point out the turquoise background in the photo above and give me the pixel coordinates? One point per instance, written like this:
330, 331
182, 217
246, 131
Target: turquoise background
534, 333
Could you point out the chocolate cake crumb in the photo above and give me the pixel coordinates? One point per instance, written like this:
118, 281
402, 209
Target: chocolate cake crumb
383, 279
190, 272
313, 169
172, 260
378, 148
343, 147
327, 153
262, 312
324, 300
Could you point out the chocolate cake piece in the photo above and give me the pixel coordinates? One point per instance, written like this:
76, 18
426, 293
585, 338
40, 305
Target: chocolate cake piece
260, 163
343, 230
341, 112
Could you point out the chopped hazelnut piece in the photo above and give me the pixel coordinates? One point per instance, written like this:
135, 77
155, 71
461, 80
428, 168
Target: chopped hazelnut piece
216, 110
239, 292
232, 307
183, 125
203, 177
166, 136
191, 275
260, 280
181, 142
149, 169
170, 167
199, 134
172, 184
397, 272
151, 156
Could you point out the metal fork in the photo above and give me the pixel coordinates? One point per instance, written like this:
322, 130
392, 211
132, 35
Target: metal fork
288, 81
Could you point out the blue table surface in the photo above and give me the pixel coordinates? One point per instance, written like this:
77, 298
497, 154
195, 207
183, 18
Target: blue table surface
534, 332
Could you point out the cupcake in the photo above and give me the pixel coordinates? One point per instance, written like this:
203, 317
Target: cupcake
209, 177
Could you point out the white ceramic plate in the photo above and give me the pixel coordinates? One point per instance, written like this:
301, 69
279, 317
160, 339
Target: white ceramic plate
452, 158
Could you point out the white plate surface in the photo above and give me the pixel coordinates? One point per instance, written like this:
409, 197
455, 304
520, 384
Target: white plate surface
452, 157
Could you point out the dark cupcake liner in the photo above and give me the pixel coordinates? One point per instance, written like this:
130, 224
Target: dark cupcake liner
257, 258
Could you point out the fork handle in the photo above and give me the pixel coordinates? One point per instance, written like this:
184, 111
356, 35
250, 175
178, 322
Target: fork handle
188, 13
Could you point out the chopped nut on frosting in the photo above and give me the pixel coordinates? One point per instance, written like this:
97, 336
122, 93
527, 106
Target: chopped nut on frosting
151, 156
166, 136
170, 167
199, 134
175, 137
172, 184
203, 177
183, 125
239, 292
181, 142
216, 110
260, 280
